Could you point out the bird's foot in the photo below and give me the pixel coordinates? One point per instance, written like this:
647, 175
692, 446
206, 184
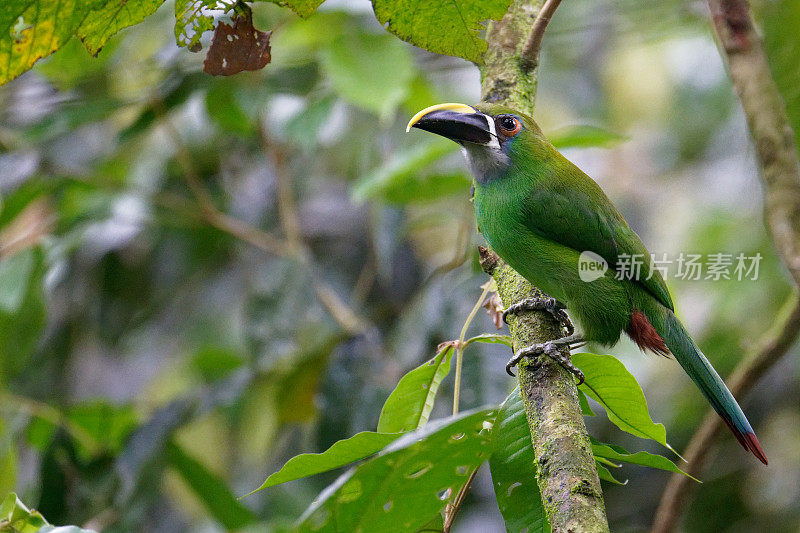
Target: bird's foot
550, 349
551, 305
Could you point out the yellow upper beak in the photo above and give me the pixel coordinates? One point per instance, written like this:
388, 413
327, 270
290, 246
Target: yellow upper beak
458, 108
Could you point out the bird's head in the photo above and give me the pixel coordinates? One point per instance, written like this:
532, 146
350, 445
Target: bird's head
490, 134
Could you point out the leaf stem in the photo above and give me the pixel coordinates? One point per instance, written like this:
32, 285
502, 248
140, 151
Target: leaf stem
460, 347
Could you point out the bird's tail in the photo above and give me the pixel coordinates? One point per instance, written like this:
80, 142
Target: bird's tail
706, 378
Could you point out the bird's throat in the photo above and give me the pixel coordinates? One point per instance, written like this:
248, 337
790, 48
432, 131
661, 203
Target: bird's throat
486, 163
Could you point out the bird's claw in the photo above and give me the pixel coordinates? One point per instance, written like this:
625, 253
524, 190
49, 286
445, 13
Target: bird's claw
551, 305
550, 349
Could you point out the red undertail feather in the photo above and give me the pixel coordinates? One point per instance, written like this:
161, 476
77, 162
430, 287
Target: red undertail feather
749, 442
642, 332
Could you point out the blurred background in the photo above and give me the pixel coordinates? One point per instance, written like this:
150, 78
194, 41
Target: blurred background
201, 277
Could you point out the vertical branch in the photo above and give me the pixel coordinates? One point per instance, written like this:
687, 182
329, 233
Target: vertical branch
566, 470
776, 151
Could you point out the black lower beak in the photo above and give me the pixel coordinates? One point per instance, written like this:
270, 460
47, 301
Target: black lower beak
460, 127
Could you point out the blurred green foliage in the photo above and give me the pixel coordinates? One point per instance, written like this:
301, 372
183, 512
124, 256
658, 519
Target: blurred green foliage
154, 366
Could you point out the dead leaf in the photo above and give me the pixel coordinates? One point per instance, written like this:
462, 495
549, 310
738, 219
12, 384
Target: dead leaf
494, 307
446, 344
237, 48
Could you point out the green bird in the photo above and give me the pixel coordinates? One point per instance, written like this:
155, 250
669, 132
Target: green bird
547, 219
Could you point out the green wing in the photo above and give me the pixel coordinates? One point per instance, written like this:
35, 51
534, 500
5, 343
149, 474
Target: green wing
569, 208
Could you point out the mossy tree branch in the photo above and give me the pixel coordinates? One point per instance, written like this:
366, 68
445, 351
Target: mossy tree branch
566, 471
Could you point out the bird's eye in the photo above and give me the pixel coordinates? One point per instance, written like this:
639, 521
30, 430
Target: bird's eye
508, 125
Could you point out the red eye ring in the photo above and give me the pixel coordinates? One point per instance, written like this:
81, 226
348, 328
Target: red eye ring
504, 121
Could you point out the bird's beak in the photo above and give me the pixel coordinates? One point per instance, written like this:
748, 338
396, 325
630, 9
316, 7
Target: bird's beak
458, 122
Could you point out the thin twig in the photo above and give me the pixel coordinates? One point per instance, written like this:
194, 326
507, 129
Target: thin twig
530, 51
344, 315
453, 508
777, 156
460, 347
287, 209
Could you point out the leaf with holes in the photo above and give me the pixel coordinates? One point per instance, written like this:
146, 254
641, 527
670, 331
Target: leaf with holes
513, 467
342, 453
443, 26
410, 403
238, 47
195, 17
407, 483
610, 384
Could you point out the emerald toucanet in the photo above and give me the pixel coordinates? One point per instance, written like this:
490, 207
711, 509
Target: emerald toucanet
540, 213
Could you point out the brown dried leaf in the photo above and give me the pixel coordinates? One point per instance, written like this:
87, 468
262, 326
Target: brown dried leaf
237, 48
494, 307
446, 344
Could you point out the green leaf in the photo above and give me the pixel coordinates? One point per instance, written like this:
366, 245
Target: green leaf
428, 188
216, 497
304, 8
15, 273
448, 27
16, 516
617, 453
216, 362
342, 453
23, 311
110, 17
401, 169
513, 467
372, 71
33, 29
224, 109
410, 403
586, 409
610, 384
584, 137
108, 425
490, 338
605, 474
304, 126
408, 483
